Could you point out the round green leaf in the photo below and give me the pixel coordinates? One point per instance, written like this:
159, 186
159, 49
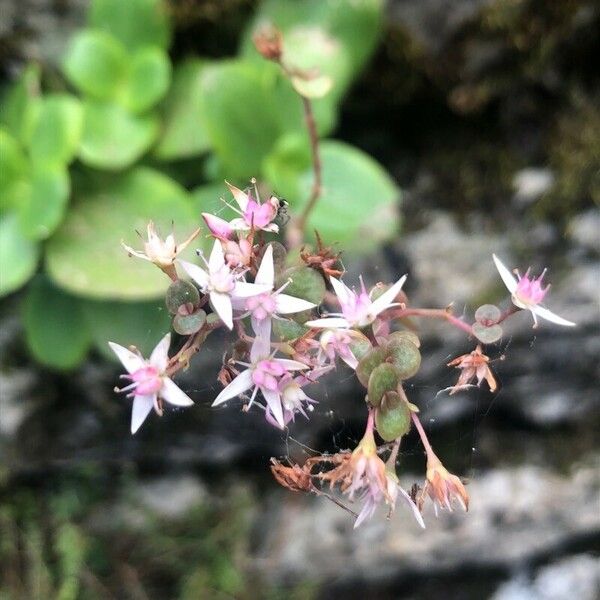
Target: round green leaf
56, 135
85, 255
55, 329
96, 63
358, 207
136, 23
240, 114
372, 359
488, 314
13, 171
392, 417
18, 255
487, 335
149, 78
184, 131
180, 293
141, 324
42, 209
384, 378
405, 356
305, 283
189, 324
20, 105
114, 139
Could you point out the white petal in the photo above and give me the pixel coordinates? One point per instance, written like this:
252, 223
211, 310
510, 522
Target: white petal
285, 304
387, 298
217, 257
271, 227
343, 292
544, 313
274, 402
330, 323
262, 330
291, 365
413, 506
198, 274
239, 385
352, 362
142, 405
130, 360
173, 395
160, 355
239, 225
240, 197
266, 271
245, 290
261, 348
509, 281
221, 303
135, 253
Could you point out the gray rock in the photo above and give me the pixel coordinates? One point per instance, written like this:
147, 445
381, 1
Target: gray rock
531, 183
171, 497
584, 229
573, 577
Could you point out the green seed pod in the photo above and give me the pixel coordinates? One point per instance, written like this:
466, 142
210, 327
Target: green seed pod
405, 356
384, 378
392, 417
487, 335
405, 335
307, 284
181, 292
286, 330
373, 358
189, 324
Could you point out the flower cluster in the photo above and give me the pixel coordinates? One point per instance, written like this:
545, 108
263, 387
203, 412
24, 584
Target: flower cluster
293, 318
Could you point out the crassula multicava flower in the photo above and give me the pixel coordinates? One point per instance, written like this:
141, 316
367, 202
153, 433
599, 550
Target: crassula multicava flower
474, 365
527, 293
149, 382
358, 309
254, 215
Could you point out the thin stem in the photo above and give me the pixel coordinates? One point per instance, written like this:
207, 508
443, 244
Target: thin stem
422, 433
434, 313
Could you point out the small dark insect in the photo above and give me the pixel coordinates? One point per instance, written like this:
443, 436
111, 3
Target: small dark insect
283, 216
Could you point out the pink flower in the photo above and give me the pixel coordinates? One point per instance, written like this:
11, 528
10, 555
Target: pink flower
527, 293
358, 310
270, 303
218, 227
221, 283
149, 383
263, 374
338, 342
253, 214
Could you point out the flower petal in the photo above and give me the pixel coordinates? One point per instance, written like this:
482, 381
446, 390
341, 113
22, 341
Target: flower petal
412, 505
173, 394
290, 365
266, 271
133, 252
217, 257
342, 291
387, 298
238, 386
285, 304
130, 360
262, 330
509, 281
222, 305
329, 323
217, 226
240, 197
160, 355
274, 403
198, 274
544, 313
142, 405
246, 290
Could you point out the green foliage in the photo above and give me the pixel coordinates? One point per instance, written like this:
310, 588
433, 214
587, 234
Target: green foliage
72, 187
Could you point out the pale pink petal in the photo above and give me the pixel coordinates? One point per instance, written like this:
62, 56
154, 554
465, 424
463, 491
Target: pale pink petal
274, 402
160, 355
130, 360
198, 274
239, 225
387, 298
133, 252
271, 227
289, 304
262, 330
351, 361
290, 365
238, 386
173, 395
240, 197
261, 348
509, 281
217, 257
217, 226
413, 506
142, 405
266, 272
246, 290
366, 512
343, 292
221, 303
330, 323
544, 313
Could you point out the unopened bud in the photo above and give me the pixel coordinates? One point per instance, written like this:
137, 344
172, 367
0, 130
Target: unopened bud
269, 43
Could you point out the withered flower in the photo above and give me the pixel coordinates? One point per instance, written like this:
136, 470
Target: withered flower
473, 365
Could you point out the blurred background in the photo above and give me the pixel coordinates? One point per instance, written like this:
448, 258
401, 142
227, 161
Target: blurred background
454, 129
